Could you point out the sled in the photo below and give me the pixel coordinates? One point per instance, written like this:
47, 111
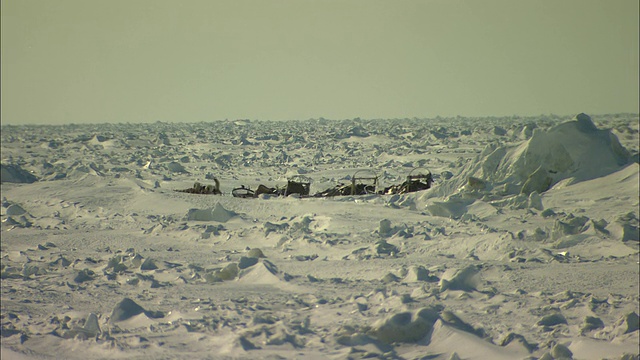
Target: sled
243, 192
298, 184
418, 179
364, 182
198, 188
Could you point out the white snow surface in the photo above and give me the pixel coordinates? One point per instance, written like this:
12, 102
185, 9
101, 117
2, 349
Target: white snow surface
526, 247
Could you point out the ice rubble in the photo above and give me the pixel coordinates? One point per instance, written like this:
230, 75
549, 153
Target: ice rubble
396, 316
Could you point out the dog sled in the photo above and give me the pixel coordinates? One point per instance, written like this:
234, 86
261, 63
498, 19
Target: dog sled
297, 184
417, 180
363, 182
198, 188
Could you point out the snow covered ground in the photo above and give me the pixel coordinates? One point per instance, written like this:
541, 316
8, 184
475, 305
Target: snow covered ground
526, 247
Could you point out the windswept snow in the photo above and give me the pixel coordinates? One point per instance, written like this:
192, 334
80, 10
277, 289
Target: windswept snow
526, 247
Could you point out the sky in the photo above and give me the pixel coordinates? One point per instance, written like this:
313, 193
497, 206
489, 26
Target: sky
95, 61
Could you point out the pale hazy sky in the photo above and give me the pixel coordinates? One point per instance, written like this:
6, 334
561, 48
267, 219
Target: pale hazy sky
76, 61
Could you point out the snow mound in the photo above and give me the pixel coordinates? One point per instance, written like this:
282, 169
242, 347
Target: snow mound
454, 208
575, 150
263, 272
465, 279
408, 327
15, 209
81, 170
218, 213
125, 309
444, 338
176, 167
16, 174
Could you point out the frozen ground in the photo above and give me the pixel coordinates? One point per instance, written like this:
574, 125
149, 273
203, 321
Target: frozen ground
525, 248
